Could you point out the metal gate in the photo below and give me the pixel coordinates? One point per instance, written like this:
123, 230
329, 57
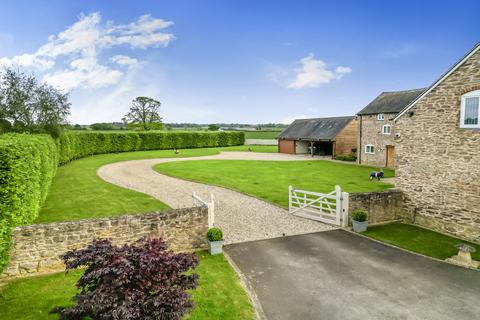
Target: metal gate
325, 207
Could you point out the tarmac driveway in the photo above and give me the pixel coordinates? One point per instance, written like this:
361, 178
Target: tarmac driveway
338, 275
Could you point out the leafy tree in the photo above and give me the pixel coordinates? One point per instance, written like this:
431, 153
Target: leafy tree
139, 281
144, 114
31, 106
213, 127
103, 126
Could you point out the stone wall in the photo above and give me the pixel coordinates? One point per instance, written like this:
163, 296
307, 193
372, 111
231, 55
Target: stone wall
36, 248
438, 163
371, 133
383, 206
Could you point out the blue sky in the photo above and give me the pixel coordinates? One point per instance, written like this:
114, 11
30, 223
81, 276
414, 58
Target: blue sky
235, 61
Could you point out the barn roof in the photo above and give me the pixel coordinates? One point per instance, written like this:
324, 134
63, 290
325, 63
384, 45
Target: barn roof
391, 102
315, 129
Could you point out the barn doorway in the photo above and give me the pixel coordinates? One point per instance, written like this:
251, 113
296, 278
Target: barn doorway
323, 148
390, 156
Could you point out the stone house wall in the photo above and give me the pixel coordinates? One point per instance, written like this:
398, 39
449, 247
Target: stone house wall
36, 248
346, 139
383, 206
370, 132
438, 163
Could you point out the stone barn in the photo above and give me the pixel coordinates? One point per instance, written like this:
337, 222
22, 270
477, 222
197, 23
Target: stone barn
376, 128
320, 136
438, 152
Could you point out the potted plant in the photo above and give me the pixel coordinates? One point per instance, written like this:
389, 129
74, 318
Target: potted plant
215, 240
359, 220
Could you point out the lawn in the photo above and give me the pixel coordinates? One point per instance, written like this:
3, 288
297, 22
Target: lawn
261, 134
218, 296
419, 240
78, 193
269, 180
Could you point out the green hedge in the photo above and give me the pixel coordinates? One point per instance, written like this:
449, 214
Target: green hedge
28, 164
75, 145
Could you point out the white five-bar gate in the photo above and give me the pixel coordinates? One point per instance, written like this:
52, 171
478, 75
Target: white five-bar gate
325, 207
210, 205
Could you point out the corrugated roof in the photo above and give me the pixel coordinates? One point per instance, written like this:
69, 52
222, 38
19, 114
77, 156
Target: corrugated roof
315, 129
391, 102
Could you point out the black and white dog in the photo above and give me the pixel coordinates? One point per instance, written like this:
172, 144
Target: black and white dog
376, 174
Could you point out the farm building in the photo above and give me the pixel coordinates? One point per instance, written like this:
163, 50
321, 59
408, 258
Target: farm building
319, 136
376, 127
438, 151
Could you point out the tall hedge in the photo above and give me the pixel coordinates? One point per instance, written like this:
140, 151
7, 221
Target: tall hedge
75, 145
28, 164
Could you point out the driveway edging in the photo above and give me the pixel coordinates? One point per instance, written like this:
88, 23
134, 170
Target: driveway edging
252, 295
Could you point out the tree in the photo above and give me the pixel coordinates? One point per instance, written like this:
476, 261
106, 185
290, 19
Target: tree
213, 127
31, 106
144, 114
139, 281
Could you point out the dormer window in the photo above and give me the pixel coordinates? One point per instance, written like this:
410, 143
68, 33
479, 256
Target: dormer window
470, 110
380, 117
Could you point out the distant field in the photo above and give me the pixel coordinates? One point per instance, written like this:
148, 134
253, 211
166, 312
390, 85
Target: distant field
261, 134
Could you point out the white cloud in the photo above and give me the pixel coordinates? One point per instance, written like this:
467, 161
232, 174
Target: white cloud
341, 71
124, 60
80, 44
314, 73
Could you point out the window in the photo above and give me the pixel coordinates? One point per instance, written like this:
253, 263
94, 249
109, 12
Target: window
470, 110
380, 117
369, 148
387, 129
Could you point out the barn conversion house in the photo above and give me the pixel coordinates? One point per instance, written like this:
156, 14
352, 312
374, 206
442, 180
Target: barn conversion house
376, 128
319, 136
438, 151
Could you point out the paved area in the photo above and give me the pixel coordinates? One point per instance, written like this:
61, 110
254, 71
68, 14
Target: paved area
241, 217
338, 275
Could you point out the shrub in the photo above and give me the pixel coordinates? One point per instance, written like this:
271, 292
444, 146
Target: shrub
214, 234
138, 281
346, 157
27, 166
75, 145
359, 215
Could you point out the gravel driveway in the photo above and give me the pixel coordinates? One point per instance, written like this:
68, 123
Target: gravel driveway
241, 217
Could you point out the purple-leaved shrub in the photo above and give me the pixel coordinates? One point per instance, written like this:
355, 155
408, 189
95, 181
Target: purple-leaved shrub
142, 280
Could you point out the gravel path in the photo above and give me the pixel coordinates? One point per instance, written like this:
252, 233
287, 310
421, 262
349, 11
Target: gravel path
241, 217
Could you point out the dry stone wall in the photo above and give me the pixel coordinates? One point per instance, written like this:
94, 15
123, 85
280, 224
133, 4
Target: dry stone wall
438, 163
36, 248
383, 206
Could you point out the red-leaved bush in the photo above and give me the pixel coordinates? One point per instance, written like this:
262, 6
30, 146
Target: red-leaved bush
143, 280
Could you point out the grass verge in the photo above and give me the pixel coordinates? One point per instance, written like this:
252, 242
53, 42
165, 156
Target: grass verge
269, 180
417, 239
218, 296
77, 192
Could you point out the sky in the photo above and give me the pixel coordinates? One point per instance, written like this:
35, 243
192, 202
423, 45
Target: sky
246, 61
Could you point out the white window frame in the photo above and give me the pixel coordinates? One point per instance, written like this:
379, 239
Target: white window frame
389, 129
370, 146
380, 117
472, 94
